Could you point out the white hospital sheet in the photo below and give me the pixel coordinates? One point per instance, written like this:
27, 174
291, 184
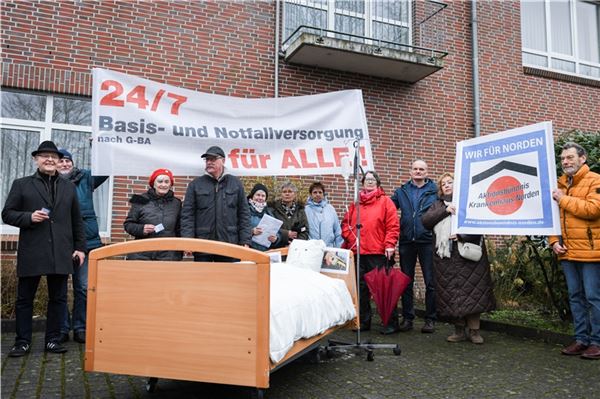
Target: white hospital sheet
304, 304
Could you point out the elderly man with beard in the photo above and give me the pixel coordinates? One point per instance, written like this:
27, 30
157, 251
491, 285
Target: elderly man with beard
45, 209
578, 249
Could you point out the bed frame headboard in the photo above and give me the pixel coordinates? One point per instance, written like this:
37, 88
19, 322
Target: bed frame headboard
186, 320
196, 321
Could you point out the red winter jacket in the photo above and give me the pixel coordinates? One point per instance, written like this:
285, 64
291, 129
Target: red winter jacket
379, 220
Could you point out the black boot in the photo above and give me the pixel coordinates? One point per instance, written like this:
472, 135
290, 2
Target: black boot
406, 325
390, 329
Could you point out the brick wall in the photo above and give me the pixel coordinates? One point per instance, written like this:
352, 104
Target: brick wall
227, 48
511, 98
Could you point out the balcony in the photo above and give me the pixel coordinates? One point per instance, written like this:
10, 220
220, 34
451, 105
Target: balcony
365, 56
312, 44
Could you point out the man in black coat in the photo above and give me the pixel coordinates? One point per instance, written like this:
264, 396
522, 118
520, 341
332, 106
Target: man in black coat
215, 207
51, 240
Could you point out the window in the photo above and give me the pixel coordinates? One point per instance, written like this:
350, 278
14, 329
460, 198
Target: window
562, 35
30, 118
387, 20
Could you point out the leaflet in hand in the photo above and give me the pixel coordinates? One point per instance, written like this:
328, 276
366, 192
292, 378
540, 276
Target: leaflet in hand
270, 226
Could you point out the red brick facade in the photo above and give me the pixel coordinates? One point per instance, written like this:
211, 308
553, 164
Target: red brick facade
228, 48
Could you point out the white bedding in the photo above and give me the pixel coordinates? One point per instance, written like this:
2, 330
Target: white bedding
304, 304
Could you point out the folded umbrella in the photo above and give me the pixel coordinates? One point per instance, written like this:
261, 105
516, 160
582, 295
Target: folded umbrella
386, 285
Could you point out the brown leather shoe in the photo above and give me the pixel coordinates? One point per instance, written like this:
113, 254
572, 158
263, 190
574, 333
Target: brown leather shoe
592, 352
575, 349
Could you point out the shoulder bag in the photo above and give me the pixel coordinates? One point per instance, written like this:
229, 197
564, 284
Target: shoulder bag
471, 251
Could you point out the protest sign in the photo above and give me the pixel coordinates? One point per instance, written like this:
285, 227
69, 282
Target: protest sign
139, 125
504, 181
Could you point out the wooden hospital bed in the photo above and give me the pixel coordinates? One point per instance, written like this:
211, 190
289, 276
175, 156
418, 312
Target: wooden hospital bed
195, 321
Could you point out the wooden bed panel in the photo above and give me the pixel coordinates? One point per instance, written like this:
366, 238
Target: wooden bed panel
182, 320
151, 321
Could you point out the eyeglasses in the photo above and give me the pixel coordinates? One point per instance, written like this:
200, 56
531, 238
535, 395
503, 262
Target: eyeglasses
212, 159
47, 156
370, 180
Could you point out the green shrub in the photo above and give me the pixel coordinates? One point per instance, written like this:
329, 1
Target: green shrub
9, 293
527, 276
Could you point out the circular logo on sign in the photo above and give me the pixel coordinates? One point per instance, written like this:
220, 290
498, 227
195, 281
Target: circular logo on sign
504, 196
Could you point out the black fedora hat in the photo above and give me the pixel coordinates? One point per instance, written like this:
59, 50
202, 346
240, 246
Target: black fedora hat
47, 146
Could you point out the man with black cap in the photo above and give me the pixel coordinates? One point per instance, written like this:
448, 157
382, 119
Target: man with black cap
51, 238
85, 184
215, 207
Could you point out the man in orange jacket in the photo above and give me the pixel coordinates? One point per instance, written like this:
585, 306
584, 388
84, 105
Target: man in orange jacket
578, 197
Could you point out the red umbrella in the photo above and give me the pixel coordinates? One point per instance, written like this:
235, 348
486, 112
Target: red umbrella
386, 286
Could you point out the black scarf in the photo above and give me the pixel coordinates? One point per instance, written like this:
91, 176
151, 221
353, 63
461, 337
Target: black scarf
49, 184
288, 210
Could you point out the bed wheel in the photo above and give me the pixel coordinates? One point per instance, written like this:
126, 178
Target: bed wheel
151, 384
397, 350
257, 393
329, 353
316, 357
370, 356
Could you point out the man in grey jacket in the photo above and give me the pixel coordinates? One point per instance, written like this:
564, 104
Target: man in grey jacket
215, 207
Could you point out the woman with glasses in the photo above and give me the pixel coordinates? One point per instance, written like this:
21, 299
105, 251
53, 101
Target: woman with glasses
291, 213
378, 239
463, 287
154, 214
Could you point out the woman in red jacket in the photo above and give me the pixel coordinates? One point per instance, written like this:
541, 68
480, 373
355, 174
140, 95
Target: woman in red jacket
378, 239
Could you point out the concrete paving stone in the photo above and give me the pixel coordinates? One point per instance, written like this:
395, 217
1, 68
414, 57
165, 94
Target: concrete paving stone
429, 367
25, 394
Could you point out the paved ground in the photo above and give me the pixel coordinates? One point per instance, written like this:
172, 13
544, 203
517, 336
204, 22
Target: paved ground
429, 367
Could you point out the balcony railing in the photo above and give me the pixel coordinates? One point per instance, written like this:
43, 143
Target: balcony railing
378, 44
388, 50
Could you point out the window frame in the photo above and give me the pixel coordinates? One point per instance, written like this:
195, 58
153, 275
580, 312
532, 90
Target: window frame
45, 128
551, 55
369, 17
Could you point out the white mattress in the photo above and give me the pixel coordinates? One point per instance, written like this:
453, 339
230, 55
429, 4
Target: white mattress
304, 304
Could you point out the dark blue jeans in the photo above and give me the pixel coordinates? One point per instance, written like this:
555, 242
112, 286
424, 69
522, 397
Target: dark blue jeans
408, 262
80, 283
57, 299
583, 283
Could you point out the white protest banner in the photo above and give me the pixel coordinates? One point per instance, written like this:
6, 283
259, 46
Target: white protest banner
139, 125
504, 181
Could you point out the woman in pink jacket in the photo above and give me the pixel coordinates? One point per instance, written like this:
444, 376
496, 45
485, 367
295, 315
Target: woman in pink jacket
378, 239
